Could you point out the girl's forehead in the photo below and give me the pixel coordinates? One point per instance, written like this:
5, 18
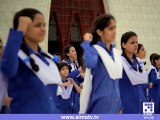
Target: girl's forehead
71, 48
133, 38
39, 17
64, 67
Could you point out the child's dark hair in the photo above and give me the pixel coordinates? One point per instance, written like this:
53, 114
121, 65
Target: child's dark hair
139, 47
1, 43
151, 57
27, 12
66, 51
155, 57
124, 39
100, 23
63, 64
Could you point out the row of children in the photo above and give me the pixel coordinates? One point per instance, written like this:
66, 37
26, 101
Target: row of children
118, 83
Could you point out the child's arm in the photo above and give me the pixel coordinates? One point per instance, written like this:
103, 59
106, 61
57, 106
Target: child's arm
90, 54
74, 73
148, 85
66, 84
78, 89
7, 101
153, 78
10, 61
81, 85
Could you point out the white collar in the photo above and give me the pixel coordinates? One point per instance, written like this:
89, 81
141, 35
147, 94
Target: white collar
47, 74
134, 76
114, 70
153, 68
66, 92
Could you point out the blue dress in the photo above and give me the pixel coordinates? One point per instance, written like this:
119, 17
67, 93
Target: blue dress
154, 92
132, 96
105, 95
75, 96
28, 93
65, 106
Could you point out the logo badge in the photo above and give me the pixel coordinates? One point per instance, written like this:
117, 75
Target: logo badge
148, 110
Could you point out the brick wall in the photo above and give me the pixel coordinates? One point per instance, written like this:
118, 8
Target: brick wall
140, 16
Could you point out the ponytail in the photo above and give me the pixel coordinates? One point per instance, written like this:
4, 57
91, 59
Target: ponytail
34, 66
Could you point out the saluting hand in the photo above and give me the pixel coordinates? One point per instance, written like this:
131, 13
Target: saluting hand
88, 37
23, 24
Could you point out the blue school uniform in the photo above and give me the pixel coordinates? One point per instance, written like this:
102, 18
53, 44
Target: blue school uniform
75, 96
145, 86
105, 96
65, 106
28, 93
132, 96
154, 92
74, 67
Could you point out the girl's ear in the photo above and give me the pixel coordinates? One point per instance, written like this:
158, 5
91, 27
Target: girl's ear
68, 54
99, 32
155, 62
123, 45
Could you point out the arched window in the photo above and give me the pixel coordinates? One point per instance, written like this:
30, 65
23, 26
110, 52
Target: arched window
76, 37
75, 33
74, 18
53, 39
52, 30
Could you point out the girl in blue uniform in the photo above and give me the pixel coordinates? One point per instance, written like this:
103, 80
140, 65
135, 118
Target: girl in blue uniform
3, 85
64, 101
32, 75
134, 81
151, 57
71, 60
71, 57
154, 76
103, 62
141, 54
